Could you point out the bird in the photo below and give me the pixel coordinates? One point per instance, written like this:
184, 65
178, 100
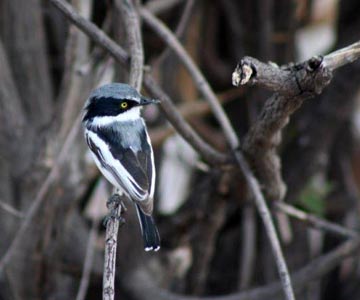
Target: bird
117, 137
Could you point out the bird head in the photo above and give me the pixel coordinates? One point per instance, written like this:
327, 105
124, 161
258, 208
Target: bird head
114, 102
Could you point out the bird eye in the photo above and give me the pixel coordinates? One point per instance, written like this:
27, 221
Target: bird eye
124, 105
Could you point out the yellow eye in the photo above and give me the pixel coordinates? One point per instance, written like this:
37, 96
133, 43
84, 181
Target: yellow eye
123, 105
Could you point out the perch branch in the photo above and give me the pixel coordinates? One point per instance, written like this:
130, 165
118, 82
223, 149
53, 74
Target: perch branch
97, 35
315, 221
203, 86
133, 31
112, 227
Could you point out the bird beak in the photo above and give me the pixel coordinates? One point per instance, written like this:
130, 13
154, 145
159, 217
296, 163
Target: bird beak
147, 101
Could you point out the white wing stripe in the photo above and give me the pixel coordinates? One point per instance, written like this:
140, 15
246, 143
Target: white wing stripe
123, 178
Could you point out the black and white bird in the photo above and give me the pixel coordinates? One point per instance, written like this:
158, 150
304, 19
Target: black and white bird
117, 137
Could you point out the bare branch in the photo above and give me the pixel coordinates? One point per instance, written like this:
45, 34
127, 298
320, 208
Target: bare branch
132, 27
342, 56
11, 210
233, 141
190, 110
310, 76
316, 222
293, 85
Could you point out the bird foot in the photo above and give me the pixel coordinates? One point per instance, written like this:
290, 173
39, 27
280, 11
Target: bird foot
113, 204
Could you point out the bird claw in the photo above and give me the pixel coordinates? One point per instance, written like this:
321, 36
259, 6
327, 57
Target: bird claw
112, 204
113, 216
114, 201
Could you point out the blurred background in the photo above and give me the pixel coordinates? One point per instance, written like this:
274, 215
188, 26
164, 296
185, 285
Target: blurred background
213, 242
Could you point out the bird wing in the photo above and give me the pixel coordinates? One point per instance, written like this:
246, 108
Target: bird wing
130, 168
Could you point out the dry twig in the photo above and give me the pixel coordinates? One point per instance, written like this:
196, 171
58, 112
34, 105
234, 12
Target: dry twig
11, 210
292, 84
316, 222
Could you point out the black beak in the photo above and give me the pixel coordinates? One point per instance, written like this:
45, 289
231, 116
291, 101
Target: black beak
147, 101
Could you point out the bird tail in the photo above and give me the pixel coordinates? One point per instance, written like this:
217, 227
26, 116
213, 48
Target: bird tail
148, 230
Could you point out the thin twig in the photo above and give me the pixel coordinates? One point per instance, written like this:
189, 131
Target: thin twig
190, 110
315, 222
343, 56
97, 35
133, 32
39, 199
233, 141
11, 210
